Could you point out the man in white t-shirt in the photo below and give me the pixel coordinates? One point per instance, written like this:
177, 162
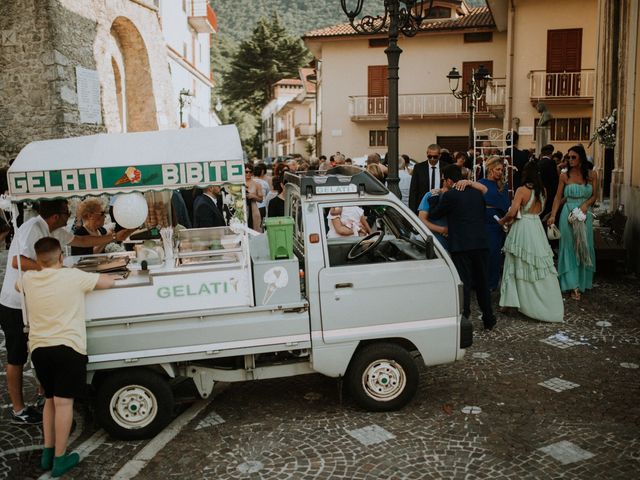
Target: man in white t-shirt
58, 343
54, 214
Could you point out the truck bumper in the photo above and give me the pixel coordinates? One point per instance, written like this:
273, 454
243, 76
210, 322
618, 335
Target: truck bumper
466, 332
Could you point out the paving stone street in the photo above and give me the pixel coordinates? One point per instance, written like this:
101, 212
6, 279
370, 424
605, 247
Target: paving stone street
530, 400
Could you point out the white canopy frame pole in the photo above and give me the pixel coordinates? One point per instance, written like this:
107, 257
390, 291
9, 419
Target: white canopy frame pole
23, 305
499, 140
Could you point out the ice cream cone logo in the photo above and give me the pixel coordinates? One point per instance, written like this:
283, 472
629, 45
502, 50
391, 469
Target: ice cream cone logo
275, 278
130, 175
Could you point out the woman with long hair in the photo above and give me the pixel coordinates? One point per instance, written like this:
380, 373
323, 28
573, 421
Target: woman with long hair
529, 278
576, 256
260, 176
461, 159
275, 207
497, 203
254, 196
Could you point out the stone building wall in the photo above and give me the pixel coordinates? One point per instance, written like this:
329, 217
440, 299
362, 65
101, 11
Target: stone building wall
41, 44
27, 71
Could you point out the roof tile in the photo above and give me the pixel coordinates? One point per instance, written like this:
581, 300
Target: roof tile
479, 17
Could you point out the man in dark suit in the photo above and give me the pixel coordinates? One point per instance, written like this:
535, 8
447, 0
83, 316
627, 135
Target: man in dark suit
519, 160
549, 176
425, 177
205, 209
468, 244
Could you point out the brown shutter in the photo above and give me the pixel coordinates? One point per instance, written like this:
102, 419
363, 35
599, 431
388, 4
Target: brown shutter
467, 69
564, 54
378, 86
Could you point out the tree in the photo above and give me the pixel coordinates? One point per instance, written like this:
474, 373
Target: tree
269, 55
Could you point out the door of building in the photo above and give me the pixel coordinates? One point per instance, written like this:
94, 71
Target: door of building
453, 143
564, 61
377, 89
467, 70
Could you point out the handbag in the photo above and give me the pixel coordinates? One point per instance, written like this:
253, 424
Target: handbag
553, 233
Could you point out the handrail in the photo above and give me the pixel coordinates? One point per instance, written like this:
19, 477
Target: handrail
414, 105
545, 84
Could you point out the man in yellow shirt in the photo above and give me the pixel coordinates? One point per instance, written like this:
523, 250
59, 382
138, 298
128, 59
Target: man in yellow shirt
54, 299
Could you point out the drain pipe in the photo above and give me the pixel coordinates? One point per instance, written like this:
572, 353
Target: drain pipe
508, 120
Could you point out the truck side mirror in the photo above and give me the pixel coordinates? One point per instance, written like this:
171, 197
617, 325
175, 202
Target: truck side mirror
430, 249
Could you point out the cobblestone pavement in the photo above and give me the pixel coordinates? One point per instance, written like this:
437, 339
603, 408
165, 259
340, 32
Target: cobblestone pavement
516, 407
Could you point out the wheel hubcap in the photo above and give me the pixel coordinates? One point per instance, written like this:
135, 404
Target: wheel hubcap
133, 406
384, 380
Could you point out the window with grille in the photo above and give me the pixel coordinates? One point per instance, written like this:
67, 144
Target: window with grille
568, 129
377, 138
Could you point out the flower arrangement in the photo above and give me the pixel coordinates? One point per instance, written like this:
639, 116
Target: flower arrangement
577, 215
605, 134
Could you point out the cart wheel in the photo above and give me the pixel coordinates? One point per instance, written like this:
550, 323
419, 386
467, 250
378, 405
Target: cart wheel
382, 377
134, 404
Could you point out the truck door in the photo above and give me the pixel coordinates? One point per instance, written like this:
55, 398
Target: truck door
397, 285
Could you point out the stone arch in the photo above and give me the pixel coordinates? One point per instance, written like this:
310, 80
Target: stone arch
138, 102
120, 94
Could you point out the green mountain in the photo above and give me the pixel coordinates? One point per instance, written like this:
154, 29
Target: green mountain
236, 18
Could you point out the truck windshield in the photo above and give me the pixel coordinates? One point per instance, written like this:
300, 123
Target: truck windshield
352, 228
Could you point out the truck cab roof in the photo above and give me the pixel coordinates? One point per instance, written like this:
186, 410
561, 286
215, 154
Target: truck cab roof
338, 180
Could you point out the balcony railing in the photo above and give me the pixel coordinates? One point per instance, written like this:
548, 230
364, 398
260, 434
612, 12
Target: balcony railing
282, 135
410, 106
201, 16
562, 86
305, 130
496, 93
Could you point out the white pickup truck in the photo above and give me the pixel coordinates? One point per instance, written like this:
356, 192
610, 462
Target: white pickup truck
351, 307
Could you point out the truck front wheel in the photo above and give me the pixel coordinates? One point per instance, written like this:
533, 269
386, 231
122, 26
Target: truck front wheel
382, 377
134, 404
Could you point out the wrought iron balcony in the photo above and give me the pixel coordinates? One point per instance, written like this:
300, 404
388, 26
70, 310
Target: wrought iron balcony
201, 16
495, 97
412, 106
283, 135
566, 87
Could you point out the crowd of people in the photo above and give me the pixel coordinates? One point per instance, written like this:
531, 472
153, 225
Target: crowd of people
496, 230
493, 231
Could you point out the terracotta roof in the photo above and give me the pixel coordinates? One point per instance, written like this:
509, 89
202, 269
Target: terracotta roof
477, 18
296, 82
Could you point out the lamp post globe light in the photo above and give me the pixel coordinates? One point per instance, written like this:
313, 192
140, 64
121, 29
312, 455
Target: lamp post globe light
475, 90
400, 16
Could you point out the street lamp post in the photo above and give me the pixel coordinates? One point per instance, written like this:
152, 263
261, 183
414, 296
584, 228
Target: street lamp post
184, 98
475, 90
400, 16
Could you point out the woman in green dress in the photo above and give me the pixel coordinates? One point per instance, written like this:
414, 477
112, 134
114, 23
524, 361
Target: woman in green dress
529, 278
576, 256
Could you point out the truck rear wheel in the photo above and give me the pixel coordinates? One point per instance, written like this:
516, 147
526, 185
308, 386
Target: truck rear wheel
134, 404
382, 377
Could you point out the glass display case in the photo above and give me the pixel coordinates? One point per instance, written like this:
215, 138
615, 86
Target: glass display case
203, 246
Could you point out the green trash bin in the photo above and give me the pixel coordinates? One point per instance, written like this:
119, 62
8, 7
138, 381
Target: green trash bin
280, 236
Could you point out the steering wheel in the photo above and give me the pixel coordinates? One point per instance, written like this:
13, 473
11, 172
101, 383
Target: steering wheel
365, 248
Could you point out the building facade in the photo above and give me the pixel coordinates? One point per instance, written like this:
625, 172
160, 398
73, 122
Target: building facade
79, 67
289, 119
188, 27
533, 57
72, 67
353, 89
618, 87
